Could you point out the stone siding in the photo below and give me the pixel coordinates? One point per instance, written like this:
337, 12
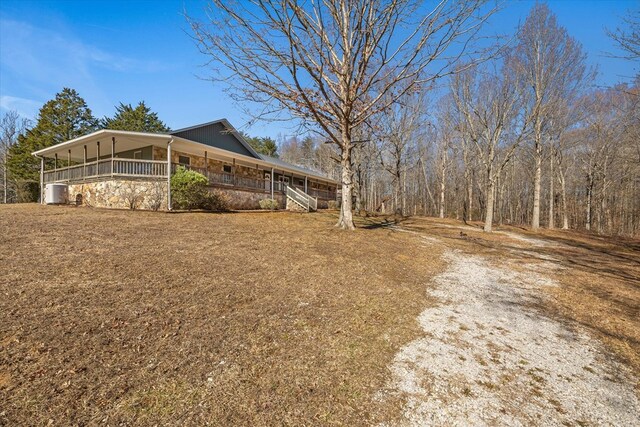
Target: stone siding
121, 194
254, 172
240, 200
293, 206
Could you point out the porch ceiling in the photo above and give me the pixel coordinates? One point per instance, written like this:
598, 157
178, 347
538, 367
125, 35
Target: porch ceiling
198, 149
124, 141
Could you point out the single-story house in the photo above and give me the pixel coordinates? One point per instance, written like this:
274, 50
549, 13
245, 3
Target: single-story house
113, 169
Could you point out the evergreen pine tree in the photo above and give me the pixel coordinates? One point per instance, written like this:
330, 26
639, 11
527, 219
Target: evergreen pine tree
65, 117
138, 119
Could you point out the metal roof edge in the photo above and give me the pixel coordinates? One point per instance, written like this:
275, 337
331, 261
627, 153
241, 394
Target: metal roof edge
94, 134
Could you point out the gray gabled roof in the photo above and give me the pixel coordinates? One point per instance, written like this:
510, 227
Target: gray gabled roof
229, 127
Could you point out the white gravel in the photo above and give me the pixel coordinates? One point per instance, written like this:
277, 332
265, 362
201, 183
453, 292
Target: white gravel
489, 357
530, 241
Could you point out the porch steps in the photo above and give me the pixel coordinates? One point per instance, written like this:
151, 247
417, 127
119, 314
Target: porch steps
298, 200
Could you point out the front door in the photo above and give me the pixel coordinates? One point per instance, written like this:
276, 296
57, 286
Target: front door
267, 181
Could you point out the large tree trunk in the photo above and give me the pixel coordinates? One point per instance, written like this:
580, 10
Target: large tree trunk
563, 193
535, 220
345, 221
426, 186
403, 193
488, 217
443, 178
442, 189
589, 197
470, 197
552, 195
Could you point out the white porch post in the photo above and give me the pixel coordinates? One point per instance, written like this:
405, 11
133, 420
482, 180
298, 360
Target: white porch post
169, 174
55, 166
42, 180
272, 183
305, 185
84, 163
113, 150
98, 158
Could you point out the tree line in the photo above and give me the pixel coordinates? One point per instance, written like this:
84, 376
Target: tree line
411, 110
414, 112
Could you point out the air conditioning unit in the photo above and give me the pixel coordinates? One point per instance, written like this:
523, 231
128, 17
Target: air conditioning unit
56, 194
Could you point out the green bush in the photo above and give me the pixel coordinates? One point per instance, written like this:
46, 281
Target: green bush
189, 189
268, 204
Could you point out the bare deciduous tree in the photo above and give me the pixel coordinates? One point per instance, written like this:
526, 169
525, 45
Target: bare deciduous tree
628, 39
397, 129
488, 108
11, 126
334, 64
552, 66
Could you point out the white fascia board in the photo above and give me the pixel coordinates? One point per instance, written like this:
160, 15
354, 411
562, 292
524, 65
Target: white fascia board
98, 134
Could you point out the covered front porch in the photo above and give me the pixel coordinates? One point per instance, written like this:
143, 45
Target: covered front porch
109, 155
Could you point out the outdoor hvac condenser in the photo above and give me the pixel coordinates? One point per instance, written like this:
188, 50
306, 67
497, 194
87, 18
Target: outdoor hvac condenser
56, 194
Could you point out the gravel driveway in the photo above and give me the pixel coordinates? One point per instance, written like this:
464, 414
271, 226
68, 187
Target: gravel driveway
489, 357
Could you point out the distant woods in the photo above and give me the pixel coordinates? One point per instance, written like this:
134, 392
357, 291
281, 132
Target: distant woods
517, 134
262, 145
138, 119
523, 139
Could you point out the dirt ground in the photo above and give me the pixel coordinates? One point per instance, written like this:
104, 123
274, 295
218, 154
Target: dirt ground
140, 318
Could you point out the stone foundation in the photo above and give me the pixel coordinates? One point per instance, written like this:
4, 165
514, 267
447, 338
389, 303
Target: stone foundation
121, 194
152, 195
240, 200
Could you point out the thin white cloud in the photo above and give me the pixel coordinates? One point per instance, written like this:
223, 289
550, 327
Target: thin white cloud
27, 108
36, 62
40, 51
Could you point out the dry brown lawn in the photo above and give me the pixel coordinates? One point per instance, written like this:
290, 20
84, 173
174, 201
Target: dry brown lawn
599, 276
140, 318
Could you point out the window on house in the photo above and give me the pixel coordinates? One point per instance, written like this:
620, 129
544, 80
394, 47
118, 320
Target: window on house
184, 160
137, 154
227, 168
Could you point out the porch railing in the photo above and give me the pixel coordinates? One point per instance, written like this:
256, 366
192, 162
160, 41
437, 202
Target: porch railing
108, 167
240, 181
136, 168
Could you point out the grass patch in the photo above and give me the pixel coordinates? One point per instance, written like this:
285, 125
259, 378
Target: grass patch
145, 318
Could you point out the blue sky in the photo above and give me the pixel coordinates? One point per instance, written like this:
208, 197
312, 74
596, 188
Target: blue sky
127, 51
